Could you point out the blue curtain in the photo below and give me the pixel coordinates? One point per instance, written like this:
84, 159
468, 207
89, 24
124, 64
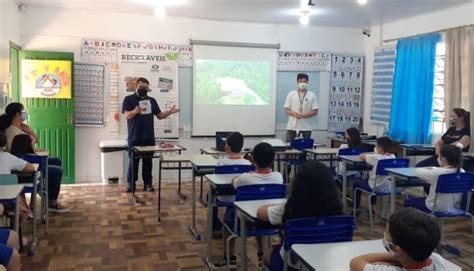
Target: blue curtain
412, 94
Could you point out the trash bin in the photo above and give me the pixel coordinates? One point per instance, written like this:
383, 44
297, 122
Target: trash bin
112, 160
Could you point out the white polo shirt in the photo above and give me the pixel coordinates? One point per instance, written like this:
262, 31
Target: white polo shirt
296, 101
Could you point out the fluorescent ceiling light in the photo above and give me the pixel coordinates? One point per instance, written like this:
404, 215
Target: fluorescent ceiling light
362, 2
304, 19
159, 11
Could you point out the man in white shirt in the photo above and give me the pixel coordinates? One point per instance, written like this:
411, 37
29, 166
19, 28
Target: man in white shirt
300, 106
410, 239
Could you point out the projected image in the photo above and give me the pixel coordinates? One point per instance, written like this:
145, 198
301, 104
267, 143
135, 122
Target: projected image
224, 82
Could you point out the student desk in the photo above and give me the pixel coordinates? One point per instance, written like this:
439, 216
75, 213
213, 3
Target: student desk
328, 154
12, 192
216, 182
216, 153
247, 211
417, 149
287, 156
337, 256
152, 152
353, 160
29, 180
201, 165
397, 175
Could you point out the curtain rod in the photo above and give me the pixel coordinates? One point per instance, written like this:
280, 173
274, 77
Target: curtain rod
437, 31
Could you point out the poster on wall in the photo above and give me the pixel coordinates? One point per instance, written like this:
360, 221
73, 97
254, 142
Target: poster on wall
345, 92
382, 83
304, 61
46, 79
89, 89
106, 51
161, 70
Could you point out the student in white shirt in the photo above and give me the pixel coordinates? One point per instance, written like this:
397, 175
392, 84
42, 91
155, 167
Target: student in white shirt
9, 163
314, 193
233, 147
449, 159
410, 239
300, 106
263, 156
383, 150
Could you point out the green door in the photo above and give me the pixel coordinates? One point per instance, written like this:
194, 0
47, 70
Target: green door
52, 119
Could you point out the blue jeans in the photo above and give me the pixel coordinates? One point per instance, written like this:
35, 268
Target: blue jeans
55, 175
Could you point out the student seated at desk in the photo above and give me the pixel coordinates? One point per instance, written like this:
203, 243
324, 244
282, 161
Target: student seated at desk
450, 158
263, 156
314, 193
9, 256
21, 146
233, 147
12, 124
353, 140
459, 134
383, 150
9, 163
410, 239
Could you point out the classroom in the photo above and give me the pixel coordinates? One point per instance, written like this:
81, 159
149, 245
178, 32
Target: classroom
236, 135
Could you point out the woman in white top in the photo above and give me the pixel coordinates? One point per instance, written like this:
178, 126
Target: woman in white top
449, 159
314, 193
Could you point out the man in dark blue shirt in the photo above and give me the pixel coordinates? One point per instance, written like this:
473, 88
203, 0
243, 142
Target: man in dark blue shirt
139, 110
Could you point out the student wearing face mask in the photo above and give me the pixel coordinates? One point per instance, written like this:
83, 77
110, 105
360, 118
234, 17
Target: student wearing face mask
410, 239
459, 135
12, 123
300, 106
139, 110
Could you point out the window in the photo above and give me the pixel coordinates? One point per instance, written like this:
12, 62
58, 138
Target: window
439, 116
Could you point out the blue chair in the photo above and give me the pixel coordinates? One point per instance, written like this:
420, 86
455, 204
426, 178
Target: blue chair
454, 183
315, 230
8, 179
254, 192
230, 169
380, 171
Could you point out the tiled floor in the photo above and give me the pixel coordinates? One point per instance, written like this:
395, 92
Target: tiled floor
106, 230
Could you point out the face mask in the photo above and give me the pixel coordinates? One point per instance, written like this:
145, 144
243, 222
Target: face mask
386, 244
24, 116
142, 92
452, 122
376, 150
302, 85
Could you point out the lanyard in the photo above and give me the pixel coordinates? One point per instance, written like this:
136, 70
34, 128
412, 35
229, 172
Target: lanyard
301, 100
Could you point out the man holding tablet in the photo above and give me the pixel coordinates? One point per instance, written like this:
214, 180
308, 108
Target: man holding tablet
139, 110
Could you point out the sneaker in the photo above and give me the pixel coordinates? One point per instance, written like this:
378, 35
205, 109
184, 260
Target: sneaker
149, 188
130, 189
222, 263
57, 208
24, 241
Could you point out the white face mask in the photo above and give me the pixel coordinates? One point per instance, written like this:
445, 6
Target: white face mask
302, 85
24, 116
386, 244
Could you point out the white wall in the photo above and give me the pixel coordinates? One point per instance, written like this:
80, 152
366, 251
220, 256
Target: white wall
62, 30
9, 31
458, 16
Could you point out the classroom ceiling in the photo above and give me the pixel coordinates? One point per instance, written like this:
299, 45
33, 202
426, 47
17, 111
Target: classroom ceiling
339, 13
